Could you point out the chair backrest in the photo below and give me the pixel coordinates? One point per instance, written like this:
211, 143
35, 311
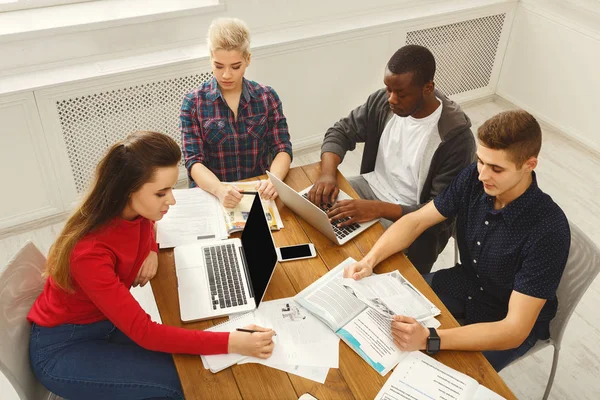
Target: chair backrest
20, 284
582, 267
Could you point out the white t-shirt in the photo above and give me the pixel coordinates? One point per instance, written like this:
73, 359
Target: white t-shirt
400, 156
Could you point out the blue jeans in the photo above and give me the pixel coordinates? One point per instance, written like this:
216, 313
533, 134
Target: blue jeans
499, 359
97, 361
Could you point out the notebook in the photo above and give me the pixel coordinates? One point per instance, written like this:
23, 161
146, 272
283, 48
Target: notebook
219, 362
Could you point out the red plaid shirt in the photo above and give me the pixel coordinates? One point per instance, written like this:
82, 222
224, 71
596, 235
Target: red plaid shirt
233, 150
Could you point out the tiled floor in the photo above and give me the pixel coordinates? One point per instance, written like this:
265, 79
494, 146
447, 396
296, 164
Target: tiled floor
571, 175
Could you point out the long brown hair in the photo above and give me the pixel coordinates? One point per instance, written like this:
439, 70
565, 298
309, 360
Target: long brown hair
127, 166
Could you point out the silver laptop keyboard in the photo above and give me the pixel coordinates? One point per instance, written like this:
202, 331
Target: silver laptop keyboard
223, 270
339, 232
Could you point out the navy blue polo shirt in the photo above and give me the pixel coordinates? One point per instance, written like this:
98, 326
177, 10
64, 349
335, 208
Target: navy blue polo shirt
522, 247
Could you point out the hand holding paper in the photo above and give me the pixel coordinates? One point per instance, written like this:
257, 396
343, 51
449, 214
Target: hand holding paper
409, 335
358, 270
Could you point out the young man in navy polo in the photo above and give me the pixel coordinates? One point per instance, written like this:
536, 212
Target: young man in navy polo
513, 240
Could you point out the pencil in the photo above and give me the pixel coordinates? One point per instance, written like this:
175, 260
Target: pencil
248, 330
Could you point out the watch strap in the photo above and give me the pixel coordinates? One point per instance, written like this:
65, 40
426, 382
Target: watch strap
433, 342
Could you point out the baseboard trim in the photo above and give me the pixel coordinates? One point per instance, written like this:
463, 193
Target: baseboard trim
303, 145
569, 132
35, 224
479, 100
307, 143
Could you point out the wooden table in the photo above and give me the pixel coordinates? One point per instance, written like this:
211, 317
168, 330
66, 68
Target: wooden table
354, 379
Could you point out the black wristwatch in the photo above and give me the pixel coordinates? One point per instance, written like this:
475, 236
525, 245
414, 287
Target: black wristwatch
433, 342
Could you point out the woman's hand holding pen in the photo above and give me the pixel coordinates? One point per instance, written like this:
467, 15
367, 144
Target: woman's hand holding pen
256, 344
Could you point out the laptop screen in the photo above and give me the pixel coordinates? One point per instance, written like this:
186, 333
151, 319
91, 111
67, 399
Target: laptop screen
259, 249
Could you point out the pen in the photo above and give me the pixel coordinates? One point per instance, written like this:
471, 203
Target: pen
249, 331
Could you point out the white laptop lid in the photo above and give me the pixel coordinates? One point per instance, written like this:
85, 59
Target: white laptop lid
303, 207
313, 214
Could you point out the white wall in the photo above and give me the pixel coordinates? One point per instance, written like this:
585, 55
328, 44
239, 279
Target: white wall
323, 58
60, 47
551, 67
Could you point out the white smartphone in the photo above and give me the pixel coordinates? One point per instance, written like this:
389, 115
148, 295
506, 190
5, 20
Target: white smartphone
296, 252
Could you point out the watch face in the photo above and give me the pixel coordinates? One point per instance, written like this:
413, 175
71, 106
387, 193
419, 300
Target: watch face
433, 345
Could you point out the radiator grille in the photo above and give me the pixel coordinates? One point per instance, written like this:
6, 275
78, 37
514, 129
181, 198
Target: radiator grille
91, 123
464, 52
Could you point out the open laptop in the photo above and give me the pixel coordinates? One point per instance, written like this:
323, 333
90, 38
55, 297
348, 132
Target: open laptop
317, 216
223, 277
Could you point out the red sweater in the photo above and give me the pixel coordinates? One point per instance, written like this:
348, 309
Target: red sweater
104, 264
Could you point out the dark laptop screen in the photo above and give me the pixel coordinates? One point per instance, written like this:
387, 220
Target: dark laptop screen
261, 257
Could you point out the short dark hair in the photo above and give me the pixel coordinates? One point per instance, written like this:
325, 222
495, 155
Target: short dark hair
515, 131
416, 59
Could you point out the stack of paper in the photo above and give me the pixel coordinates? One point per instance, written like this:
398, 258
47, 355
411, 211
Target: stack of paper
304, 346
196, 216
360, 312
219, 362
421, 377
145, 297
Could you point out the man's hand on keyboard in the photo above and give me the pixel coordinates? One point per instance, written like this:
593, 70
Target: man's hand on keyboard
358, 210
325, 190
258, 344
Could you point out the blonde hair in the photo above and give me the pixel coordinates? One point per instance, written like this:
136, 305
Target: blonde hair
229, 34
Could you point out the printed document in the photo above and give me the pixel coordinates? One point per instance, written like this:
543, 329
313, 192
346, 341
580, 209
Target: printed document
391, 294
301, 338
196, 216
420, 377
362, 324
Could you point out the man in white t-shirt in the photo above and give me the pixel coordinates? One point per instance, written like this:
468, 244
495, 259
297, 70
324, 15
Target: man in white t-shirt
416, 141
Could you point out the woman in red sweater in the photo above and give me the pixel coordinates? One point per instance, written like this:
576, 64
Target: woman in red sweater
90, 338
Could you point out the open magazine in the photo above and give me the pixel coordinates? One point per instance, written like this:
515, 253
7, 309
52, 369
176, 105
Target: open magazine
359, 312
421, 377
235, 218
198, 215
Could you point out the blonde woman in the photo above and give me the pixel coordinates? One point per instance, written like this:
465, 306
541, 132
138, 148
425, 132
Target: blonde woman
90, 339
233, 128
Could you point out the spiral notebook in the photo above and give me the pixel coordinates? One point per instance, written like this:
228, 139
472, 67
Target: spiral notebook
219, 362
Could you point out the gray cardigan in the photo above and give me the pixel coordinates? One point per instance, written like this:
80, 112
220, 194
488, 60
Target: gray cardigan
452, 151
